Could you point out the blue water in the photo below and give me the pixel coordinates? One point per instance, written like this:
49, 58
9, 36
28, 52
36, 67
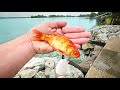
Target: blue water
11, 28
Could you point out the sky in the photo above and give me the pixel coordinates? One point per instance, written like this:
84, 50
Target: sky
28, 14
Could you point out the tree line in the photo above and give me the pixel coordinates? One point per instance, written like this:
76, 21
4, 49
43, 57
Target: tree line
41, 16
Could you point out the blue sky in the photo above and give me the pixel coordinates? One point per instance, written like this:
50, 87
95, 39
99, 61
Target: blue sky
28, 14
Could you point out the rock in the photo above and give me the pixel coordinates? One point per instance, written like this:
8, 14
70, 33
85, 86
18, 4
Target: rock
87, 46
112, 35
85, 65
87, 52
73, 72
45, 68
40, 74
34, 62
104, 32
53, 74
118, 34
47, 71
49, 64
17, 76
95, 52
102, 37
39, 68
27, 73
97, 48
77, 66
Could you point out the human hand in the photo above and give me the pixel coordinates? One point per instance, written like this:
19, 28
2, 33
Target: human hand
75, 34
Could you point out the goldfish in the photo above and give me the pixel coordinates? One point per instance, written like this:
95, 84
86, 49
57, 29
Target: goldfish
60, 43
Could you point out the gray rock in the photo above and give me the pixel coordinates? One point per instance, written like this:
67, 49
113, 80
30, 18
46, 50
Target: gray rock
102, 37
49, 64
28, 73
44, 68
40, 74
16, 76
53, 74
87, 46
97, 48
34, 62
47, 71
85, 65
104, 32
73, 72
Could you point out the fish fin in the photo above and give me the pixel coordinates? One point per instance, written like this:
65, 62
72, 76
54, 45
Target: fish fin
38, 36
62, 52
35, 39
37, 32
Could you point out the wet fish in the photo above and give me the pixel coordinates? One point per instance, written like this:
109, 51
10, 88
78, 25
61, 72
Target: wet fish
60, 43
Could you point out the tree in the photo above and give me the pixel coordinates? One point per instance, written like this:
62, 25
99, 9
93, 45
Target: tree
92, 14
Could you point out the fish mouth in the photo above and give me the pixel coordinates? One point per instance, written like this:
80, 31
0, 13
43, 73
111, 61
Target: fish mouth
75, 54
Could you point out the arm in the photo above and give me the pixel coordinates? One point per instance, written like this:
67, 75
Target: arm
14, 54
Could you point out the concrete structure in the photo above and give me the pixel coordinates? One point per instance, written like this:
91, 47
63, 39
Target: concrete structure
107, 64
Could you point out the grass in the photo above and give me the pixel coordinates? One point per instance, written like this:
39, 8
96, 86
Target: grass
108, 20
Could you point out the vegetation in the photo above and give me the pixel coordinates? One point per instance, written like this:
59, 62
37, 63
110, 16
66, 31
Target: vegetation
81, 15
92, 15
108, 20
38, 16
104, 18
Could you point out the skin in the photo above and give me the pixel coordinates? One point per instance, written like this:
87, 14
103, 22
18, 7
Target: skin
16, 53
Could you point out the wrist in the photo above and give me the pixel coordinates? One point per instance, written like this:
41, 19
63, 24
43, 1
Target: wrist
30, 43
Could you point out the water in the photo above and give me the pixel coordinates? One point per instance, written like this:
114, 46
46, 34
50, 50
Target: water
11, 28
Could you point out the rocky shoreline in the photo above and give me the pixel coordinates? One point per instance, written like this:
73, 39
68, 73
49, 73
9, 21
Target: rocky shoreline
100, 36
45, 67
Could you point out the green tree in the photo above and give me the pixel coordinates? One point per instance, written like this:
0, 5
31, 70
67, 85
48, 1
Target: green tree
92, 14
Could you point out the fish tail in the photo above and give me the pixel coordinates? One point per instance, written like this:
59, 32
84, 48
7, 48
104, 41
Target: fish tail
37, 32
39, 35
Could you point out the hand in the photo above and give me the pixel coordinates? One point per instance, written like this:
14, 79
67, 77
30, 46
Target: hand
76, 34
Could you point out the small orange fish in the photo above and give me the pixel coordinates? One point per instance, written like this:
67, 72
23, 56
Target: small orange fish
60, 43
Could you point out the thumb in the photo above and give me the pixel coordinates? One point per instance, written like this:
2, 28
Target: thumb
57, 24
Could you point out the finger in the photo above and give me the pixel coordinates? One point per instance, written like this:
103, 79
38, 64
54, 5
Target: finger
72, 29
77, 45
59, 31
80, 40
57, 24
78, 35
